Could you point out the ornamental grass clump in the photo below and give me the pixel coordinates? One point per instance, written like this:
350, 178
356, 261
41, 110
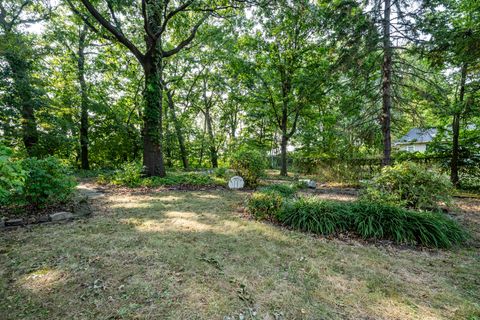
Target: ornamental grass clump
317, 216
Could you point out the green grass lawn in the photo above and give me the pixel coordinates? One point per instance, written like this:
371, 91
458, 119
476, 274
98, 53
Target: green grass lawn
191, 255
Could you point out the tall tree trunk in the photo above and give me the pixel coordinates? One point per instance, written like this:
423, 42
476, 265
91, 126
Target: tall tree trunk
178, 130
211, 139
286, 89
152, 118
25, 93
168, 141
456, 129
208, 123
386, 86
283, 148
202, 146
84, 100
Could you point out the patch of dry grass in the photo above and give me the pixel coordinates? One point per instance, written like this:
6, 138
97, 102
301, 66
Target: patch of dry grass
190, 255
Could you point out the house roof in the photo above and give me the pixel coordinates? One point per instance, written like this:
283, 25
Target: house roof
418, 135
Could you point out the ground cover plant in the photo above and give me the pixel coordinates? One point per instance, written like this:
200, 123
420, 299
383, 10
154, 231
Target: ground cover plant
369, 220
131, 175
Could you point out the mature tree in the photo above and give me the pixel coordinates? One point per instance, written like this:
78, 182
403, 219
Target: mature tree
288, 66
17, 51
455, 45
157, 18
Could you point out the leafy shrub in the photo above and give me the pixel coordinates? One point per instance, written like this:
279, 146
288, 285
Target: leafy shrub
381, 221
265, 205
285, 190
220, 172
47, 182
249, 164
409, 185
12, 176
129, 174
317, 216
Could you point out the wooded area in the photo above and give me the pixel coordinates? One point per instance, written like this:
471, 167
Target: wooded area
184, 84
239, 159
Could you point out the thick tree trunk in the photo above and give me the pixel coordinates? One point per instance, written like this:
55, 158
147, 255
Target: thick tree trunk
178, 131
83, 101
386, 86
152, 119
456, 129
211, 139
283, 147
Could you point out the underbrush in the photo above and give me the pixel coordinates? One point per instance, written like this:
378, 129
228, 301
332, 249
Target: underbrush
130, 175
33, 183
409, 185
368, 220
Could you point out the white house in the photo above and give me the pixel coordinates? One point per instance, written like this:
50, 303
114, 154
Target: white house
416, 140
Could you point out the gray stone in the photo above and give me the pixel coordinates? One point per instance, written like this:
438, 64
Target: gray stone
82, 208
236, 182
2, 223
43, 219
14, 222
60, 216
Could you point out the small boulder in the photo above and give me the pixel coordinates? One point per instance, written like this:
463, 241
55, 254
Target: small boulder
309, 183
82, 208
43, 219
60, 216
14, 222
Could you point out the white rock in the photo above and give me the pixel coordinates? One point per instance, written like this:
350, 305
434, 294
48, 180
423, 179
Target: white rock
59, 216
309, 183
236, 182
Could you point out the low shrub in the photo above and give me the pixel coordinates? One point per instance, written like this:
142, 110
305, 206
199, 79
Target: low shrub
249, 164
381, 221
265, 205
220, 172
286, 190
48, 182
12, 176
129, 174
317, 216
409, 185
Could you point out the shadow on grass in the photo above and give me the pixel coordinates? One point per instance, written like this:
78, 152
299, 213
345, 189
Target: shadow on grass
179, 255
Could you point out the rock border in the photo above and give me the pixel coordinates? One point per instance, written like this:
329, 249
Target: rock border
80, 208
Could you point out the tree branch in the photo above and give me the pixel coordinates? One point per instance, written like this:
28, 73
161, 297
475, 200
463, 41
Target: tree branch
116, 33
185, 42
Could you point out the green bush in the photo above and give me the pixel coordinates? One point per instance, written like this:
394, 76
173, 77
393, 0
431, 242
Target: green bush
409, 185
129, 174
47, 182
249, 164
285, 190
381, 221
12, 176
265, 205
317, 216
220, 172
